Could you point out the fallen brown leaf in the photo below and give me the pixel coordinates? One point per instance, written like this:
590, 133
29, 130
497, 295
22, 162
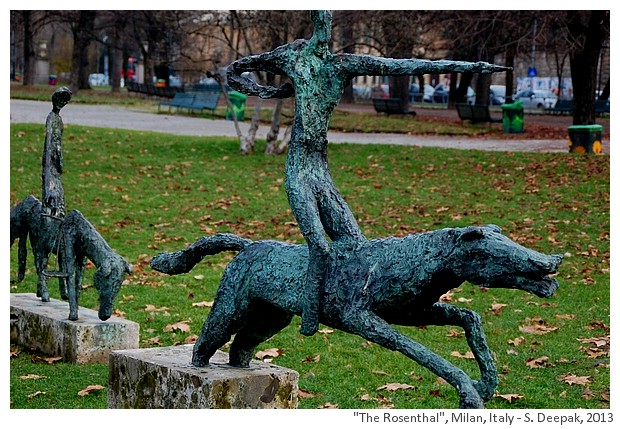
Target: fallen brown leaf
305, 394
392, 387
517, 341
329, 405
540, 362
510, 397
310, 359
574, 379
32, 377
456, 333
467, 355
203, 304
89, 389
35, 394
191, 339
538, 329
178, 326
268, 353
497, 308
155, 341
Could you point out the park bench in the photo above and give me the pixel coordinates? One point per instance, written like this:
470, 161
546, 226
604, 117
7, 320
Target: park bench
192, 101
180, 100
601, 107
390, 106
475, 113
562, 107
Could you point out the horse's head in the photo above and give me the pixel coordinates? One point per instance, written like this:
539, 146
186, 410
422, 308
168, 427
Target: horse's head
108, 280
485, 257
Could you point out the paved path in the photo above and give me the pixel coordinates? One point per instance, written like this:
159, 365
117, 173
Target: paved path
125, 118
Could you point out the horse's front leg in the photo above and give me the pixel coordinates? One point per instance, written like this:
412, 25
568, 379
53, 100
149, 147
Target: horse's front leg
368, 325
446, 314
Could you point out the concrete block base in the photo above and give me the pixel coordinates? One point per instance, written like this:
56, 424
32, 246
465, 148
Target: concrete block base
164, 377
44, 326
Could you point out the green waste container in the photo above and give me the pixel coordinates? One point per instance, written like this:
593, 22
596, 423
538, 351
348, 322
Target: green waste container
237, 100
512, 117
585, 138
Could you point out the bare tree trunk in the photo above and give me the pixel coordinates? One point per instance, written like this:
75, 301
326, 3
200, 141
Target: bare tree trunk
28, 72
273, 146
81, 40
248, 141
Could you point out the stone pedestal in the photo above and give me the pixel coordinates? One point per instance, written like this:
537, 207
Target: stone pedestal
45, 326
165, 378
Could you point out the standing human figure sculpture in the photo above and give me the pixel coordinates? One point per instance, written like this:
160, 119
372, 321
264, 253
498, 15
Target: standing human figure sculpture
318, 79
52, 192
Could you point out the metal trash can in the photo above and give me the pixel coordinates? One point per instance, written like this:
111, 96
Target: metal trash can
585, 138
512, 117
237, 100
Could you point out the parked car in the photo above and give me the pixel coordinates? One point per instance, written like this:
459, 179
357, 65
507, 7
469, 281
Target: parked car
98, 79
536, 99
442, 93
497, 94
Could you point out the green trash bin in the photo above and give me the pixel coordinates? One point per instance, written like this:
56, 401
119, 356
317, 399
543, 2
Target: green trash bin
237, 100
512, 117
585, 138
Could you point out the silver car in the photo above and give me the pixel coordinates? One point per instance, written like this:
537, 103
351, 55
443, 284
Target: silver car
536, 99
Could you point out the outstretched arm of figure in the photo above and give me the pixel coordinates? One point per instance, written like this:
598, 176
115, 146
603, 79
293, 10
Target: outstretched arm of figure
268, 62
358, 65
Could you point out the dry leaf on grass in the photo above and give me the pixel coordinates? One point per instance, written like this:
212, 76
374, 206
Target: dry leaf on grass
178, 326
329, 406
540, 362
537, 329
305, 394
497, 308
392, 387
89, 389
310, 359
574, 379
510, 397
467, 355
203, 304
35, 394
32, 377
268, 353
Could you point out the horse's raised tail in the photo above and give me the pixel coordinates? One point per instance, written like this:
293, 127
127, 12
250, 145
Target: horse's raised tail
184, 260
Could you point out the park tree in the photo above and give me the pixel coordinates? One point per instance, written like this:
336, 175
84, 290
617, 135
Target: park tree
485, 36
587, 31
26, 25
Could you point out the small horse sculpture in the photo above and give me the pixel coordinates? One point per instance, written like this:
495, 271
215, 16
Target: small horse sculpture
74, 240
402, 281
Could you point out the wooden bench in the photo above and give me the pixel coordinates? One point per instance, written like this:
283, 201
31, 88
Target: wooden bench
390, 106
475, 113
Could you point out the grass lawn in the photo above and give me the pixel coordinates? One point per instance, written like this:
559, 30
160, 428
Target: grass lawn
147, 193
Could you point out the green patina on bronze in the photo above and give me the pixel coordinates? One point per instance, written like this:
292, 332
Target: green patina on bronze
350, 283
71, 237
318, 79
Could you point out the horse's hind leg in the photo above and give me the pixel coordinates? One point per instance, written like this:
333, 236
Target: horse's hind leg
263, 321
